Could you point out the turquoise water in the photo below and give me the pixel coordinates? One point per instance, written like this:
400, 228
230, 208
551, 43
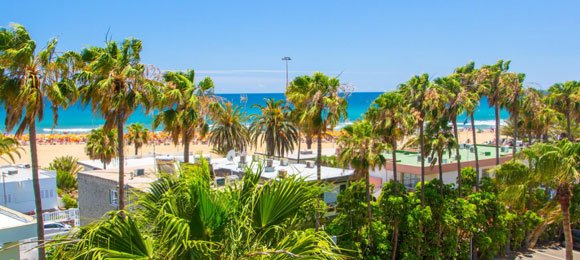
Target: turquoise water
78, 118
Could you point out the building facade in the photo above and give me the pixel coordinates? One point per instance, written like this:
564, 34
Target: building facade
17, 192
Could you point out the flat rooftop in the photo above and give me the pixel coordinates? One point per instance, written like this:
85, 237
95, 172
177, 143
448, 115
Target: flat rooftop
484, 151
293, 169
138, 182
310, 154
136, 162
11, 218
21, 173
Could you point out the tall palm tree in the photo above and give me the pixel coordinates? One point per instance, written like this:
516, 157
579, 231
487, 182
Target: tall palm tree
490, 77
323, 103
458, 99
360, 148
114, 83
29, 78
513, 90
560, 163
274, 128
392, 120
440, 140
9, 149
138, 135
468, 78
101, 145
415, 92
561, 98
228, 131
181, 117
537, 116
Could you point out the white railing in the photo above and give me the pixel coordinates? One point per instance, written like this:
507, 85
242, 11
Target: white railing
63, 215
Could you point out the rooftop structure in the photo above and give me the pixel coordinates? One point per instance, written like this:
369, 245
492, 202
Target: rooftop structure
16, 189
14, 226
306, 171
409, 164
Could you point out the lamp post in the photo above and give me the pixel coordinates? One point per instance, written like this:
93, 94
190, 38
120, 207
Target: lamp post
286, 59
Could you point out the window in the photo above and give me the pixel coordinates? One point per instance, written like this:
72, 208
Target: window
9, 199
52, 193
113, 197
410, 180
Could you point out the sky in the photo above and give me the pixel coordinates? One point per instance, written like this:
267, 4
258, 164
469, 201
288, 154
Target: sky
370, 45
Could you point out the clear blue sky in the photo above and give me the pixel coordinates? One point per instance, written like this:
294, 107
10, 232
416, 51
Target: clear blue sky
376, 44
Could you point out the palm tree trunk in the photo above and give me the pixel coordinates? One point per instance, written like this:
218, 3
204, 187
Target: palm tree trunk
318, 170
299, 142
136, 149
457, 155
497, 134
369, 207
439, 156
36, 187
474, 135
185, 148
309, 142
564, 199
121, 143
319, 156
394, 152
568, 128
515, 132
421, 146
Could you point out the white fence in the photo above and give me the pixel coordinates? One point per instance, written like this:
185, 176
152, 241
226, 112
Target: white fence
63, 215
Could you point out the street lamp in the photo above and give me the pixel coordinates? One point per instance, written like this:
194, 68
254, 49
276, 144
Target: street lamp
286, 59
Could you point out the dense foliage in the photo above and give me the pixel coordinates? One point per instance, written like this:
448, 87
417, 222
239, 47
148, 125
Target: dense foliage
183, 217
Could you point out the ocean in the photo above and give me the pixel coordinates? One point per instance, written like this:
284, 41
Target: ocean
78, 118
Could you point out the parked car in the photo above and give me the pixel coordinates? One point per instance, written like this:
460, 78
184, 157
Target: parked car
50, 228
575, 239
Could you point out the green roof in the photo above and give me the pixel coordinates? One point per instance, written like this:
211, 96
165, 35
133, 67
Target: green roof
466, 152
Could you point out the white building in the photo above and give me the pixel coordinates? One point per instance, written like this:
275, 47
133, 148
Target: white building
17, 192
272, 169
14, 226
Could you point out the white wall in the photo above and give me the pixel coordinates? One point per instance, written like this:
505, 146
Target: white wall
20, 195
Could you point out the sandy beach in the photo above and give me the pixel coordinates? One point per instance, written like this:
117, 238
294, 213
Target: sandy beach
47, 152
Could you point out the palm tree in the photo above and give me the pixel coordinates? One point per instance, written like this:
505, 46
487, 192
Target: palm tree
247, 221
9, 147
561, 98
181, 117
415, 92
101, 145
512, 84
323, 103
30, 77
392, 120
228, 131
490, 77
274, 128
468, 78
66, 168
360, 148
115, 85
560, 163
440, 140
459, 98
138, 135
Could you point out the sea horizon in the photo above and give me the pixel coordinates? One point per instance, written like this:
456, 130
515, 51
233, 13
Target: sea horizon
80, 119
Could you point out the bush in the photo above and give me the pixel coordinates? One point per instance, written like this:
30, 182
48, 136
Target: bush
69, 202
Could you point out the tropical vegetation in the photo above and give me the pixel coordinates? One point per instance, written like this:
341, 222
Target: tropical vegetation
532, 196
